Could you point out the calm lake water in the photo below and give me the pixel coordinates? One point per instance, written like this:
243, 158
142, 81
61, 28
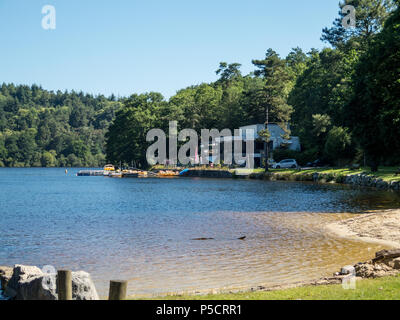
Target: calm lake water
142, 229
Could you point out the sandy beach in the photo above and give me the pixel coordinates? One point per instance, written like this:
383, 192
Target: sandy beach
381, 227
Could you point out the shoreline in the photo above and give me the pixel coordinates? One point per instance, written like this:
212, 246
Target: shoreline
358, 178
387, 180
381, 227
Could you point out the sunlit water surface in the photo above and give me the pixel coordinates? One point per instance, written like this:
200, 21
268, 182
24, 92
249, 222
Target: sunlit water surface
142, 229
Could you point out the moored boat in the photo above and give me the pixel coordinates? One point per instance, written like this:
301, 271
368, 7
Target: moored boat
115, 174
167, 173
109, 167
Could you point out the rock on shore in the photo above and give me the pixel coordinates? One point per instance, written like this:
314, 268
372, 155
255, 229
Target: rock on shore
385, 263
30, 283
357, 179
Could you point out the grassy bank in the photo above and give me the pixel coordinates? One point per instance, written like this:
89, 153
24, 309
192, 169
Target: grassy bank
376, 289
387, 174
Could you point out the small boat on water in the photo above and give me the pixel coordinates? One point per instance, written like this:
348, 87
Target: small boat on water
183, 172
115, 174
167, 173
109, 167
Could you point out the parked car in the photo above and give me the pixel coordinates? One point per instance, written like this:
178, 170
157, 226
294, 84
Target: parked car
285, 164
317, 164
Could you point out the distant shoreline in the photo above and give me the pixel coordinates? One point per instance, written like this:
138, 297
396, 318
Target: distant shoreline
52, 168
388, 178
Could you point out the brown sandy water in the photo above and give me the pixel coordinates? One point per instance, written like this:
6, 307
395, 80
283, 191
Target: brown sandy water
297, 248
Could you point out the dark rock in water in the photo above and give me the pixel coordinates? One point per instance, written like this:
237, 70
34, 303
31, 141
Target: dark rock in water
205, 239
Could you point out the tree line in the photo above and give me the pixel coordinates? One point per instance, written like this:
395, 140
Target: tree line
40, 128
342, 101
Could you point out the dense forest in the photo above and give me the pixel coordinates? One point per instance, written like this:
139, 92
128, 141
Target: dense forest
39, 128
343, 102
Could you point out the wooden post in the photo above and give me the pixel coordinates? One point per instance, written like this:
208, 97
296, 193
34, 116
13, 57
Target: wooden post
117, 290
64, 285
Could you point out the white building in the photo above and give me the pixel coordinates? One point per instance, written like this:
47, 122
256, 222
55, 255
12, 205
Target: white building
277, 139
251, 133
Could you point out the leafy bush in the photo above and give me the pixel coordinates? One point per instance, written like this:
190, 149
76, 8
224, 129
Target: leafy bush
339, 146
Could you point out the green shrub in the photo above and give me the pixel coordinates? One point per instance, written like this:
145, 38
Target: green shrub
339, 178
339, 147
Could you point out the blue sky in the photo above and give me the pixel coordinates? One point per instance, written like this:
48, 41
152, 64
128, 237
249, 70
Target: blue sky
128, 46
